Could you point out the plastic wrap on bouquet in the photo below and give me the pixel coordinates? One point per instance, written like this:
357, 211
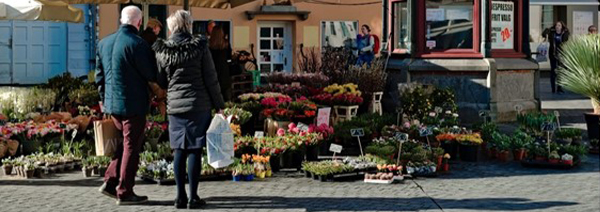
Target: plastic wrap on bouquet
219, 143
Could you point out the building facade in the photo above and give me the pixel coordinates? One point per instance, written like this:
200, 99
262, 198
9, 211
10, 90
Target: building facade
276, 32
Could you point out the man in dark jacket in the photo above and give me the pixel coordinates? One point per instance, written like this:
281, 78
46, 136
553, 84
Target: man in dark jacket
125, 66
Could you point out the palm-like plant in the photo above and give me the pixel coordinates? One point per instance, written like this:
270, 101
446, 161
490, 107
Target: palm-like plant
581, 67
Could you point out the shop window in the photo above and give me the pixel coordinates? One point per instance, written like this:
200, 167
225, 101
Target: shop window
339, 34
400, 26
448, 28
505, 28
200, 27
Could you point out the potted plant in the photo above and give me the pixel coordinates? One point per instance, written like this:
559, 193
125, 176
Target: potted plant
248, 172
153, 133
594, 146
446, 166
567, 159
469, 146
448, 142
438, 156
553, 157
519, 143
86, 169
580, 75
7, 165
502, 142
103, 163
29, 170
540, 153
95, 165
566, 136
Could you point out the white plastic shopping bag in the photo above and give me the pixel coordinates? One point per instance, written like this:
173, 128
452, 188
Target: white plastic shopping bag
219, 139
542, 52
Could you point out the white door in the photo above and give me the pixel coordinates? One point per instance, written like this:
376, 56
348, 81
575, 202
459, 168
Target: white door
275, 47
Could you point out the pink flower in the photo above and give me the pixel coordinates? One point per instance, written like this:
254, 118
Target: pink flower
291, 125
407, 124
280, 132
294, 130
303, 133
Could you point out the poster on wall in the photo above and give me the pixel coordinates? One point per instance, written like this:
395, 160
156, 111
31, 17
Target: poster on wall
581, 21
339, 33
503, 25
434, 14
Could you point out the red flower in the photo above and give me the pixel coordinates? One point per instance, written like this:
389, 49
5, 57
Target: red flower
310, 113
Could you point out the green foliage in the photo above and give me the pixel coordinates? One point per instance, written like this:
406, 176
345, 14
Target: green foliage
369, 122
521, 140
437, 152
565, 133
383, 151
418, 100
501, 141
86, 94
554, 155
577, 151
580, 66
326, 167
532, 122
487, 130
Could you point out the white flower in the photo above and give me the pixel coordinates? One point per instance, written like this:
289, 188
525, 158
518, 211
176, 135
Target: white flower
448, 112
455, 115
432, 114
567, 157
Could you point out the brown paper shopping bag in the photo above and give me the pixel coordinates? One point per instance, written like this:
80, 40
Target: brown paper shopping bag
107, 137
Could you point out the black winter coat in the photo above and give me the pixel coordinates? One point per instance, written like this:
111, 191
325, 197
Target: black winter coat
221, 58
187, 71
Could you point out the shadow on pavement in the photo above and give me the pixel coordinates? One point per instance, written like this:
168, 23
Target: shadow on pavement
377, 204
87, 182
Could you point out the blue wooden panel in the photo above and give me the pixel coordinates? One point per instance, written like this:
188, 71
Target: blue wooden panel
5, 52
39, 51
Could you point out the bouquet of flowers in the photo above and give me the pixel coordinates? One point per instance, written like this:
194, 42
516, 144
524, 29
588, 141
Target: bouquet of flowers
469, 139
284, 109
335, 94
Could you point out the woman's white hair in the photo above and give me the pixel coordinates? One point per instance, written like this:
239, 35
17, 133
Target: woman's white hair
180, 21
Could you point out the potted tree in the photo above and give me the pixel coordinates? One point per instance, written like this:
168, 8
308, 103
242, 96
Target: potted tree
580, 74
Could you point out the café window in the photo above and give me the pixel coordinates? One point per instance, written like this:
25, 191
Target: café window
505, 24
448, 28
400, 26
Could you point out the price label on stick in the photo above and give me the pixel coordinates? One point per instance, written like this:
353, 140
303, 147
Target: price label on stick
425, 131
402, 137
335, 148
259, 134
302, 127
358, 132
548, 126
483, 113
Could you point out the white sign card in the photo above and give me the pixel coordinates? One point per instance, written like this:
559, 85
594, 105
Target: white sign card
335, 148
323, 116
459, 14
259, 134
582, 21
503, 25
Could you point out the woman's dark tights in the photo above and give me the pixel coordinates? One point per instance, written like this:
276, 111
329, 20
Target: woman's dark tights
194, 159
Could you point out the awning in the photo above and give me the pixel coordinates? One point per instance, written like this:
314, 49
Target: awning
39, 10
564, 2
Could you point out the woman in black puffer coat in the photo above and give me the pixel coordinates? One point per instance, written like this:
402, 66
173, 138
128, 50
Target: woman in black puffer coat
187, 71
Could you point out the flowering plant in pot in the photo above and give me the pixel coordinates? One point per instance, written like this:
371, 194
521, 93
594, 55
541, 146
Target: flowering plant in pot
567, 159
29, 169
580, 74
7, 165
438, 156
448, 142
519, 143
568, 135
554, 157
446, 164
469, 149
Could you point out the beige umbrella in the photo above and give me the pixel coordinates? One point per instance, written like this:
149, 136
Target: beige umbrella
39, 10
220, 4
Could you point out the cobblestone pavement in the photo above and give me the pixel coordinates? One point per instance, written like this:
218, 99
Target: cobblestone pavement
484, 186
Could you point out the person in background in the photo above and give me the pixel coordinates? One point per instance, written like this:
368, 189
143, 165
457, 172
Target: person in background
557, 35
209, 27
150, 34
592, 30
187, 71
221, 54
365, 44
125, 66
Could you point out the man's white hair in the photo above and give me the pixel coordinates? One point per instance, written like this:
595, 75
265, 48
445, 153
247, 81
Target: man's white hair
131, 15
180, 21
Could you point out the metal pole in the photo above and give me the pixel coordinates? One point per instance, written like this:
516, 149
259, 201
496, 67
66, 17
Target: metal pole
146, 12
186, 5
